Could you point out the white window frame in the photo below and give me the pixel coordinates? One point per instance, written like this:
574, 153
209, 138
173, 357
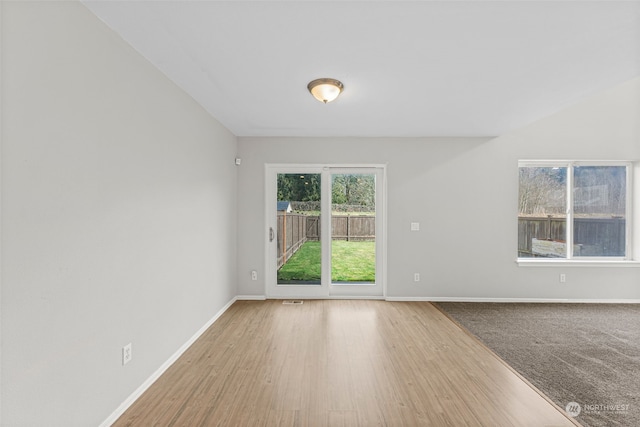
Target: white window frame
630, 237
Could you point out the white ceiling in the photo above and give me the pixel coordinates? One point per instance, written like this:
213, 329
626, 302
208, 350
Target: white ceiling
410, 68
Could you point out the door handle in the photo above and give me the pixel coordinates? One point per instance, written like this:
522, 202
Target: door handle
271, 234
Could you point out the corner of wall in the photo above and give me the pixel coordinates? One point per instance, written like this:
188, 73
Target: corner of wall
1, 192
635, 210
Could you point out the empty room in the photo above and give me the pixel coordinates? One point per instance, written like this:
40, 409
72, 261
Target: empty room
319, 213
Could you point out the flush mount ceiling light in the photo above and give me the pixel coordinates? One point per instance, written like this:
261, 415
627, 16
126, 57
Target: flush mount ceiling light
325, 90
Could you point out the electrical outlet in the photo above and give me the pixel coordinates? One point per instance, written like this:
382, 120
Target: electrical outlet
563, 278
415, 226
254, 275
416, 277
126, 354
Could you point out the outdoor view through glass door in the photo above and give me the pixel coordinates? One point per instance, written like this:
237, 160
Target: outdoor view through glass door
353, 228
324, 233
299, 254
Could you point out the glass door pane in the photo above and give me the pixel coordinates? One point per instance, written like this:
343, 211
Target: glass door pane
353, 228
298, 233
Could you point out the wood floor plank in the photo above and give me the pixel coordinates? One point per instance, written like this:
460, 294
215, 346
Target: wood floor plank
339, 362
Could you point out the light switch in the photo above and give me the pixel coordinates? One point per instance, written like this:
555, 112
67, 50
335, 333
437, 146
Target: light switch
415, 226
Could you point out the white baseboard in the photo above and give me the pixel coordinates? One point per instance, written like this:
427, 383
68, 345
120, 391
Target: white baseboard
327, 297
451, 299
251, 298
528, 300
145, 385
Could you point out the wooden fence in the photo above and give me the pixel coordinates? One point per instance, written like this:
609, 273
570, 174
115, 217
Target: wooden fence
296, 229
291, 234
353, 227
593, 236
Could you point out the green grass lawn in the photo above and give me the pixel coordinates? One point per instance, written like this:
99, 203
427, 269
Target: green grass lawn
350, 262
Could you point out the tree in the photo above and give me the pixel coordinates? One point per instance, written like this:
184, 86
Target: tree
299, 187
597, 190
600, 190
354, 189
542, 190
346, 189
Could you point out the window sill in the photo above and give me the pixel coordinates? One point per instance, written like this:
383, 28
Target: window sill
577, 263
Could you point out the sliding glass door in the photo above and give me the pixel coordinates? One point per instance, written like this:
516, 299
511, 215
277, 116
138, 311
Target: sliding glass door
325, 231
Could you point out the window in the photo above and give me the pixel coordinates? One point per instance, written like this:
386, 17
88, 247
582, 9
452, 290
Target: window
574, 210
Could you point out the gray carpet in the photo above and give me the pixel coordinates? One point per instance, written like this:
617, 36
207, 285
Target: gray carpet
583, 353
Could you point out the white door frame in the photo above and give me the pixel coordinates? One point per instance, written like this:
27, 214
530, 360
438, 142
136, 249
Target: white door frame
325, 289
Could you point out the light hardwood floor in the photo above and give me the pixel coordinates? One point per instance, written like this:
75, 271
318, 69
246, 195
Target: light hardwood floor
339, 363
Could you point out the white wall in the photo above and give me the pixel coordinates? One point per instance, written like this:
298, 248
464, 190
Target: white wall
463, 191
118, 216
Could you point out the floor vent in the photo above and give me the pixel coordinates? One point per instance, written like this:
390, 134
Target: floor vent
292, 302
